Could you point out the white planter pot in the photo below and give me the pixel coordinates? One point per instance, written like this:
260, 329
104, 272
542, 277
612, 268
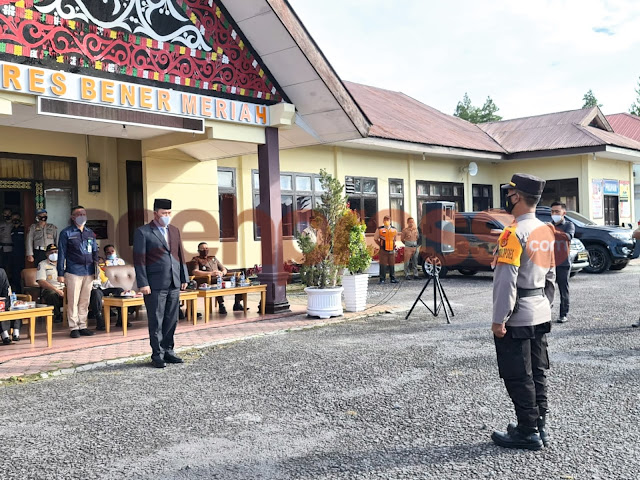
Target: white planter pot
324, 302
355, 292
374, 269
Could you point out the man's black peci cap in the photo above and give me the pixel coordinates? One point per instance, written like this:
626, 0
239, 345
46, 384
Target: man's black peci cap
526, 183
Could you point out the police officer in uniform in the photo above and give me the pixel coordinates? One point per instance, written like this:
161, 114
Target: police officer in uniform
523, 289
40, 235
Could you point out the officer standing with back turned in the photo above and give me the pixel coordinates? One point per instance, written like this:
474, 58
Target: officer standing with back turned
523, 289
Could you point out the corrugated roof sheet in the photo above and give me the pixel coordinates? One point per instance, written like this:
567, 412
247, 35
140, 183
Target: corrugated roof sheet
554, 131
396, 116
625, 124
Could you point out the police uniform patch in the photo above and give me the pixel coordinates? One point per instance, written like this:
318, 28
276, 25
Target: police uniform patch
509, 247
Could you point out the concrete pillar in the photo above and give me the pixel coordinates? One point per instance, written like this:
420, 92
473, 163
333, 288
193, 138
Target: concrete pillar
269, 215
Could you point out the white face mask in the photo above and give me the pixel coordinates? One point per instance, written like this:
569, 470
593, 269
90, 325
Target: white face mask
165, 221
53, 257
81, 220
556, 218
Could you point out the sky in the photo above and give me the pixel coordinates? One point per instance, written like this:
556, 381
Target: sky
530, 57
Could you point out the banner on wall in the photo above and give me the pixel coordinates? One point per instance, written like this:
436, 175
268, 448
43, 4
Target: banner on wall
625, 199
597, 207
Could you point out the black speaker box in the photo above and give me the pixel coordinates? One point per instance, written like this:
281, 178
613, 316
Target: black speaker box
438, 227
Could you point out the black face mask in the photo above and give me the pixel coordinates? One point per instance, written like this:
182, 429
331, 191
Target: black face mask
508, 205
203, 253
7, 217
43, 219
16, 222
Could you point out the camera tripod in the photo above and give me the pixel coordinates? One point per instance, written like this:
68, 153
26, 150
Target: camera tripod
432, 269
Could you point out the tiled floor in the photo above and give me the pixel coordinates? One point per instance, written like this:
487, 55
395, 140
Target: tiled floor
22, 358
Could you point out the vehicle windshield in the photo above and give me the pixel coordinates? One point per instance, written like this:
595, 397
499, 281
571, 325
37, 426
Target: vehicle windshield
579, 219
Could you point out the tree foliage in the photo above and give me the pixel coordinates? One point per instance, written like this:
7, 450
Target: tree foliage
486, 113
590, 100
635, 106
351, 245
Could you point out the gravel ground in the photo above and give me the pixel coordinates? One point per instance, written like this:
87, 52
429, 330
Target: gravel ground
383, 398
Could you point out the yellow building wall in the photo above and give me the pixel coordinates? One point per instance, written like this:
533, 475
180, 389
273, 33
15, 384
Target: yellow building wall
608, 169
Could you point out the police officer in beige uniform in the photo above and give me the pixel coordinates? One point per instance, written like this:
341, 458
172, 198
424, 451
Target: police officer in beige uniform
523, 289
41, 234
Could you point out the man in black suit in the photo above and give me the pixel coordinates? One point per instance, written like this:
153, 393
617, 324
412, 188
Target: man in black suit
161, 273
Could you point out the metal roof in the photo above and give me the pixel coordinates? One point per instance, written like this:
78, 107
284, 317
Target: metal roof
625, 124
397, 116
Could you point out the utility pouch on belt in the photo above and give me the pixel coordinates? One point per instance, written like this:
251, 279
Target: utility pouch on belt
527, 292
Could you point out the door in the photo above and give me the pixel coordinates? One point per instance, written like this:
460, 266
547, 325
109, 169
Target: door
611, 216
58, 202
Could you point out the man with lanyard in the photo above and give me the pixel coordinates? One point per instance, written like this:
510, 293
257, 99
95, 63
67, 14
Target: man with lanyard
523, 289
40, 235
409, 237
385, 238
105, 288
6, 245
77, 261
564, 231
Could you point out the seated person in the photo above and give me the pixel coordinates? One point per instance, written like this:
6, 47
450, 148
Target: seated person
105, 288
206, 265
47, 277
8, 324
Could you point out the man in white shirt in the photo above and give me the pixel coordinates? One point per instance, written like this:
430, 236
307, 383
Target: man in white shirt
105, 287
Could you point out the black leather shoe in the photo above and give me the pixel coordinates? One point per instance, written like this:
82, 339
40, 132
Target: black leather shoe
101, 328
237, 307
85, 332
381, 281
172, 358
157, 363
544, 435
393, 280
518, 437
16, 338
6, 340
119, 324
222, 310
75, 334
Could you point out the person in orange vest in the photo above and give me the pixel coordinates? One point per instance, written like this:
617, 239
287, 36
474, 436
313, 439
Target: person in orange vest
385, 238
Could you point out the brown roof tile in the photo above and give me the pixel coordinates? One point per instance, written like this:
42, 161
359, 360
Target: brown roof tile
396, 116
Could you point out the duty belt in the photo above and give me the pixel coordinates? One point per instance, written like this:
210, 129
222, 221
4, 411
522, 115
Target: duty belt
530, 292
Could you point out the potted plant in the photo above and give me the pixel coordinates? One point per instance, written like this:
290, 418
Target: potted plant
352, 250
321, 267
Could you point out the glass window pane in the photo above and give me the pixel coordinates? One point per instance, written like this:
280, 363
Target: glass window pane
370, 186
458, 191
304, 211
256, 181
16, 168
397, 212
355, 203
256, 215
435, 190
370, 210
485, 192
303, 184
423, 188
395, 187
56, 170
461, 225
227, 215
286, 182
357, 184
317, 184
475, 191
225, 179
447, 190
287, 215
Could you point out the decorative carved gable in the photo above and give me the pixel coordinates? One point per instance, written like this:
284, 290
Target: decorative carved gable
184, 44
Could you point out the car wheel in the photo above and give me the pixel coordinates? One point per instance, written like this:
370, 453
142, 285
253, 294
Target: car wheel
618, 266
599, 259
434, 264
466, 271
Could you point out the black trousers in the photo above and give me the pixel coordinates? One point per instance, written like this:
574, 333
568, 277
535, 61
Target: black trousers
50, 297
162, 312
523, 362
562, 279
7, 324
95, 302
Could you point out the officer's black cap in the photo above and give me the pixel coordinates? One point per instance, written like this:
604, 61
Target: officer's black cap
526, 183
51, 246
161, 203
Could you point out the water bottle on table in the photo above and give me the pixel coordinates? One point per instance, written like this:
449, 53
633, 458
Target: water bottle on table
219, 282
233, 281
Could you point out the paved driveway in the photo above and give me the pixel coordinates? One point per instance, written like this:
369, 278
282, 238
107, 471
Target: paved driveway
377, 398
